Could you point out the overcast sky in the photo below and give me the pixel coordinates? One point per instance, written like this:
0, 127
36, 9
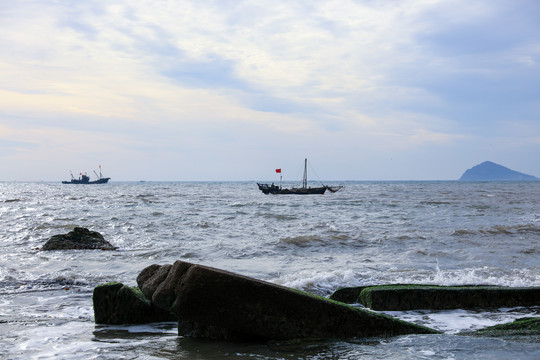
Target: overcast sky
232, 89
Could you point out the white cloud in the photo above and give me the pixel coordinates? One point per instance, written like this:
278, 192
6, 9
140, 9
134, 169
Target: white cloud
172, 77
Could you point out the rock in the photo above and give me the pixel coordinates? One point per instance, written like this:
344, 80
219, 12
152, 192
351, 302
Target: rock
151, 277
115, 304
213, 303
78, 238
348, 295
432, 297
523, 329
489, 171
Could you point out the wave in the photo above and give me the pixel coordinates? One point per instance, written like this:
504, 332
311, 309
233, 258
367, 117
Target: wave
278, 216
317, 282
436, 203
499, 229
302, 240
325, 283
12, 286
487, 276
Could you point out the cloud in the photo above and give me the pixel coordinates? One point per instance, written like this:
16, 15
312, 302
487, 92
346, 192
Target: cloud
343, 77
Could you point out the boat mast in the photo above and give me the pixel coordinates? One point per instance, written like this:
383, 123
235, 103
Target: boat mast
304, 180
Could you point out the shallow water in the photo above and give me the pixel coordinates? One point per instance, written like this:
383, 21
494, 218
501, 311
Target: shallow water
369, 233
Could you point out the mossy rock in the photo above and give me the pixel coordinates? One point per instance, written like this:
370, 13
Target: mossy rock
115, 304
523, 329
78, 239
433, 297
214, 303
348, 295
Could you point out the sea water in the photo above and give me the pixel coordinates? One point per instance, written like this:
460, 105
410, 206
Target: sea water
447, 233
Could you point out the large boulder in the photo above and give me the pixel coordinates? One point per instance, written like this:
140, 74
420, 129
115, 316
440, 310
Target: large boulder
76, 239
214, 303
115, 304
433, 297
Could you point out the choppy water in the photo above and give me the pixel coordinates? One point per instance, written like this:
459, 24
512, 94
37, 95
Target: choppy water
368, 233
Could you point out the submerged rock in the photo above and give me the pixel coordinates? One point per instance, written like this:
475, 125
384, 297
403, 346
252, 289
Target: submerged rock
115, 304
213, 303
523, 329
433, 297
76, 239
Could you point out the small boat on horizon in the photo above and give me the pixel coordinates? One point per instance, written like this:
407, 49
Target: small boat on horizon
85, 179
304, 190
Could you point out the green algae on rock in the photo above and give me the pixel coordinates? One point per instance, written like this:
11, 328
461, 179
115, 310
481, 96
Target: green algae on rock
525, 329
116, 304
433, 297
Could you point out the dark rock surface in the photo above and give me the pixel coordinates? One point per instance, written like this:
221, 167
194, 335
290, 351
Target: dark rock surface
78, 238
115, 304
213, 303
489, 171
348, 295
432, 297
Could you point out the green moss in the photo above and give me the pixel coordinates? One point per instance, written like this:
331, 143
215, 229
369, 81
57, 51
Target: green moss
523, 330
138, 293
435, 297
527, 323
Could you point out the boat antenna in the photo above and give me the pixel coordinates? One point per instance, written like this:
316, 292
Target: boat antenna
99, 177
304, 180
71, 173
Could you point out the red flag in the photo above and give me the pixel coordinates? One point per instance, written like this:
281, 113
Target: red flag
278, 171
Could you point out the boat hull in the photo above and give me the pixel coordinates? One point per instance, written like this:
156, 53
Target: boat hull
87, 182
275, 190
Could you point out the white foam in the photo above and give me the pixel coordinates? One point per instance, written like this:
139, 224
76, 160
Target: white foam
486, 276
455, 321
323, 282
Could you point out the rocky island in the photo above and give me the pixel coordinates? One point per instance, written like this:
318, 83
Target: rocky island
489, 171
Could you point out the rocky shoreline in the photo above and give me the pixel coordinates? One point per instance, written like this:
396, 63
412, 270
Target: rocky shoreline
216, 304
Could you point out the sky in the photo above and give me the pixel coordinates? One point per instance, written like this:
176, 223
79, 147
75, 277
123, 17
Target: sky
231, 89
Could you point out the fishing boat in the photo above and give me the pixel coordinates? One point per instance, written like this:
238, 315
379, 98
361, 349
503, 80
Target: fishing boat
304, 190
85, 179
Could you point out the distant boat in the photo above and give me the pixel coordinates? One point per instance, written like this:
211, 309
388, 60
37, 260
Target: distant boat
85, 179
304, 190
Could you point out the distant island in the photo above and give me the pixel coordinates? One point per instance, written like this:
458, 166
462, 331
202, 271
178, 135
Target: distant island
489, 171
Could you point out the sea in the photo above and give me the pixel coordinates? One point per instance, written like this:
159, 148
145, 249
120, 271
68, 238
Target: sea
370, 232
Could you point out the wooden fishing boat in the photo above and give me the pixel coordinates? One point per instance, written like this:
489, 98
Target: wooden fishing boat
304, 190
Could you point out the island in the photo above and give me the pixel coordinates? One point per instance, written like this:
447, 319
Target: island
489, 171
